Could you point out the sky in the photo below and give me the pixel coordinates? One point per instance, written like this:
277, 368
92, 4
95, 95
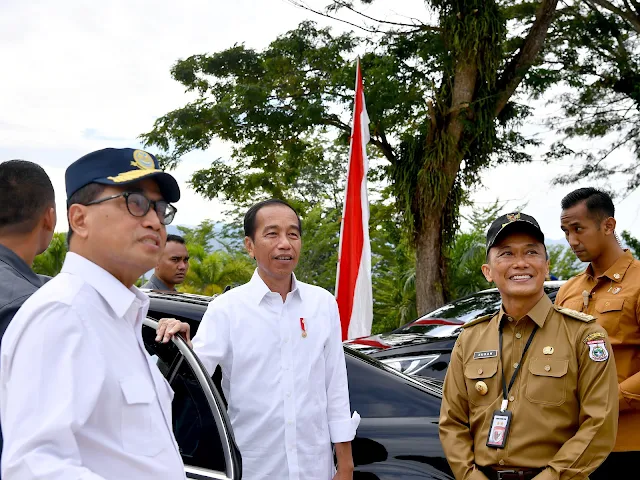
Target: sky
79, 76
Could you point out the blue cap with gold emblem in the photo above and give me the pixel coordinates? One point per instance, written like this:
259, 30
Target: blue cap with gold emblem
119, 166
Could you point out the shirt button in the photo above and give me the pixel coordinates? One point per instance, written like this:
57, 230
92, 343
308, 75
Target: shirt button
512, 398
518, 335
479, 371
288, 394
547, 367
501, 462
515, 365
510, 319
286, 340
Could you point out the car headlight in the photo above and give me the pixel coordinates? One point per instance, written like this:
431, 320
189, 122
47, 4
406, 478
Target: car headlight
410, 365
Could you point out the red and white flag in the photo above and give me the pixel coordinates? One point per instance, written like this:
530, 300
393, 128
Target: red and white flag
353, 279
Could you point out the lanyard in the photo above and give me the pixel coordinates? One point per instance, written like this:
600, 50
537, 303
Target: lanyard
505, 390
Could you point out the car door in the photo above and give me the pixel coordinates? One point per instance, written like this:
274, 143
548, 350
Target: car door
200, 423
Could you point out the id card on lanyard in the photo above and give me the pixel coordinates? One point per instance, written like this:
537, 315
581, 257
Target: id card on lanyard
501, 420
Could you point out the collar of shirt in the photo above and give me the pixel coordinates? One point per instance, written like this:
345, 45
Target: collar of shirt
538, 313
117, 296
10, 258
159, 284
259, 289
616, 271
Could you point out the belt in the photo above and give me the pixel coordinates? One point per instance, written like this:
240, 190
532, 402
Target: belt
510, 473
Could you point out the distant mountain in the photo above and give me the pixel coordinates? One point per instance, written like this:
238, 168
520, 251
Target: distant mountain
551, 241
214, 244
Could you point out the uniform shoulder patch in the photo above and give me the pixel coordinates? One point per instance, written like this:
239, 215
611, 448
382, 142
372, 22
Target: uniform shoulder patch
478, 320
596, 341
595, 336
575, 314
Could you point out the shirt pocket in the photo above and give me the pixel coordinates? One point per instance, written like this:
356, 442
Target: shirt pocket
547, 382
477, 371
609, 313
139, 434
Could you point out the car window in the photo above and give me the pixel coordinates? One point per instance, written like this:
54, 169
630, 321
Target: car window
468, 308
465, 309
195, 426
439, 331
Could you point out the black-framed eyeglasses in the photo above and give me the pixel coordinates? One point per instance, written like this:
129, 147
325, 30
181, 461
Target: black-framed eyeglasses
139, 205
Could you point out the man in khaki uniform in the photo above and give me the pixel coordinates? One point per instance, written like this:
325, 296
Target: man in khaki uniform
608, 289
530, 392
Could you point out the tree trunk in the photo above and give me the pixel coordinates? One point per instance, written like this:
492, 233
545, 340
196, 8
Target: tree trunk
429, 278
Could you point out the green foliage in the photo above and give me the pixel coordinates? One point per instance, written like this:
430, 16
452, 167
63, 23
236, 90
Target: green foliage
392, 263
467, 253
632, 242
563, 263
50, 261
319, 256
210, 271
393, 269
199, 238
437, 98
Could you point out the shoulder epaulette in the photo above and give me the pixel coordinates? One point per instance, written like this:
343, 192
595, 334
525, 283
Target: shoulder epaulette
478, 320
585, 317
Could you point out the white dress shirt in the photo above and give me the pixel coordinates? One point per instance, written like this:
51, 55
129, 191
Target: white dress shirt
288, 395
80, 397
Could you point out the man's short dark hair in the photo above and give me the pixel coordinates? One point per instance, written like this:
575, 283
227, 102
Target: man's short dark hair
250, 216
84, 195
598, 203
26, 193
175, 238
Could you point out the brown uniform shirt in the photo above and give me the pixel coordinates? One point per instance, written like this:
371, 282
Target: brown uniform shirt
564, 403
615, 302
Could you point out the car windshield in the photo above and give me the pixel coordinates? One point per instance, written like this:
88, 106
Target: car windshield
465, 309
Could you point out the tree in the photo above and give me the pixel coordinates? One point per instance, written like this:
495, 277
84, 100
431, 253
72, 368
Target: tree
563, 262
392, 263
632, 242
467, 252
50, 261
438, 97
212, 273
211, 270
594, 51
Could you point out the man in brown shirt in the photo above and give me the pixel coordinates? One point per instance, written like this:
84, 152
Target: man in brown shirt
530, 391
608, 289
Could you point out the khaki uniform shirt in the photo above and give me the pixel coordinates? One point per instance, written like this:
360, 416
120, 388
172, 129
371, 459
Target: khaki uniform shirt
564, 403
615, 302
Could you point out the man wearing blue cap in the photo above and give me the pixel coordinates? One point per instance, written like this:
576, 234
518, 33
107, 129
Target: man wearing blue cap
79, 396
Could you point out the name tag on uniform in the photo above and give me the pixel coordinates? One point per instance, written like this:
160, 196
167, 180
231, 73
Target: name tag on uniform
485, 354
499, 430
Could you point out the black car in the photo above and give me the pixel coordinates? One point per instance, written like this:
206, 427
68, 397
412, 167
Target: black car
423, 347
397, 437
